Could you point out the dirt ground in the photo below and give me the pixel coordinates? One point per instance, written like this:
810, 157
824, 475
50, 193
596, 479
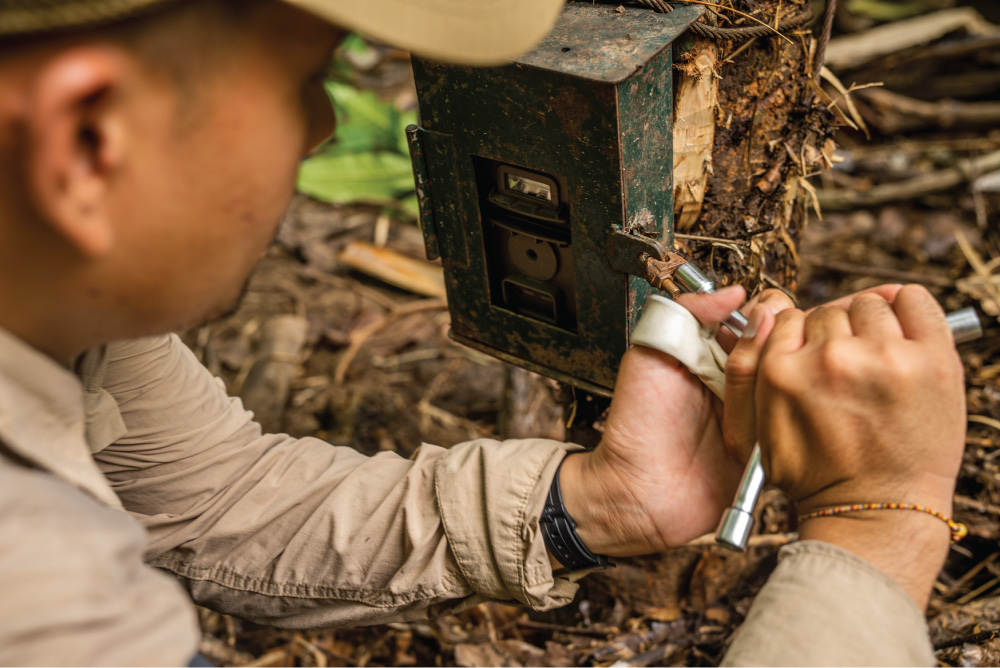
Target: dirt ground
370, 366
408, 384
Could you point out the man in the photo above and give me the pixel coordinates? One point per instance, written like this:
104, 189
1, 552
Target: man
147, 150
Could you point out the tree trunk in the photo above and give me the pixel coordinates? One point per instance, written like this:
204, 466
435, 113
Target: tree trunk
748, 126
768, 130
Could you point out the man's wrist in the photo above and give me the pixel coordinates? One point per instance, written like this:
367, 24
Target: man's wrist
908, 546
560, 533
607, 517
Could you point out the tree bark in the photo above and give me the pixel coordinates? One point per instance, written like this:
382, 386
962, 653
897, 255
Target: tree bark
748, 127
770, 130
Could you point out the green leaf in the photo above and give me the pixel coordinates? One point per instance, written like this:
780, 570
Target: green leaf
365, 123
349, 177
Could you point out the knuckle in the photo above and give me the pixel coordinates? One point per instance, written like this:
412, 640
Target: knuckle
902, 366
742, 364
776, 300
784, 318
829, 359
836, 359
921, 298
776, 375
869, 300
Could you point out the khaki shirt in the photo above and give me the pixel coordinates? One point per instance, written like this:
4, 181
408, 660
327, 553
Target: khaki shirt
138, 461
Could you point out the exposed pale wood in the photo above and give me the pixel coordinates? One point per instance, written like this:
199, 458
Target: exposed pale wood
858, 48
694, 131
417, 276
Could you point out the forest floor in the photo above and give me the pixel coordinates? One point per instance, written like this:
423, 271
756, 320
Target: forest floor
373, 369
408, 383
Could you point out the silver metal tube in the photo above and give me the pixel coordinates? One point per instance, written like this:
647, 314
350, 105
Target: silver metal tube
691, 279
737, 522
965, 325
736, 322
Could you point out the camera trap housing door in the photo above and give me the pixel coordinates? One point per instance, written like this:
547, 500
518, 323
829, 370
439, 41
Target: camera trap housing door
526, 172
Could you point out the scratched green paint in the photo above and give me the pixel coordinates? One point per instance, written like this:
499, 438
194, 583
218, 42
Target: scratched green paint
593, 104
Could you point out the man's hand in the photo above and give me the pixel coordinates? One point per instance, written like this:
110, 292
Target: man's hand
661, 475
863, 403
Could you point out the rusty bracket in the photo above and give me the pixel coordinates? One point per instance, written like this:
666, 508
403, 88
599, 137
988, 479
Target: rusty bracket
627, 252
646, 258
660, 273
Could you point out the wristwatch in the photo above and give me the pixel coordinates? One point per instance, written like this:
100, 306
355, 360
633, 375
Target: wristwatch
559, 532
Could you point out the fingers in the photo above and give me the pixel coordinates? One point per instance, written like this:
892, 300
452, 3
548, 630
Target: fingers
873, 317
773, 301
788, 334
712, 309
827, 323
921, 317
739, 412
886, 292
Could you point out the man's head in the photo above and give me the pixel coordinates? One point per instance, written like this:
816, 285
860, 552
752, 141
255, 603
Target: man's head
146, 159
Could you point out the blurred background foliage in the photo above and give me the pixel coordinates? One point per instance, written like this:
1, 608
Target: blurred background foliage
367, 160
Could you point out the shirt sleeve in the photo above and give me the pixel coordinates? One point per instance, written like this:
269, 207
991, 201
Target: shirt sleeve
298, 533
824, 606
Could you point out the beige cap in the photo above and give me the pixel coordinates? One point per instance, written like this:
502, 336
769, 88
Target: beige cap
473, 32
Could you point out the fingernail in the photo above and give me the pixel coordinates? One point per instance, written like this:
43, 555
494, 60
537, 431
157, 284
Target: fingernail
753, 326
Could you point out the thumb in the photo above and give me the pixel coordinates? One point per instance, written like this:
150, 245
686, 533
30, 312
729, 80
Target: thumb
712, 309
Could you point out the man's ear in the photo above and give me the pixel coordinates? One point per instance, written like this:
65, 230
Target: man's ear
75, 144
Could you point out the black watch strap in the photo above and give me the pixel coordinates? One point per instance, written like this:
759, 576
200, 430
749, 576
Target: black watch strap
559, 532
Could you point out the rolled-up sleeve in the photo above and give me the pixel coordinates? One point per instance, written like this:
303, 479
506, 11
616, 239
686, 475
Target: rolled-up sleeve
824, 606
299, 533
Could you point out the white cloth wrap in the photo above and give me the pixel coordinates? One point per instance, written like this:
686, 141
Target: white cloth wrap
670, 328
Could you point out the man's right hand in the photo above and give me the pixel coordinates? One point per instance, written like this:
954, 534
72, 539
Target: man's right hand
861, 402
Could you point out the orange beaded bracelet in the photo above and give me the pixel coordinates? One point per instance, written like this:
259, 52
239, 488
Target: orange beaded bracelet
958, 530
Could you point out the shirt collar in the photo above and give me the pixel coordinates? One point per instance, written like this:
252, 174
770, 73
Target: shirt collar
42, 417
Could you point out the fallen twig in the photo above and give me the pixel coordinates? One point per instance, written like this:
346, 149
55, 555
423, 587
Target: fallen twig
988, 421
971, 573
858, 48
418, 276
759, 540
362, 335
561, 628
899, 113
945, 179
983, 271
972, 504
896, 275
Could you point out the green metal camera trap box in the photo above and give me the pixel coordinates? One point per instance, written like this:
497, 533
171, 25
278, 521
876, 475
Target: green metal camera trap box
538, 182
